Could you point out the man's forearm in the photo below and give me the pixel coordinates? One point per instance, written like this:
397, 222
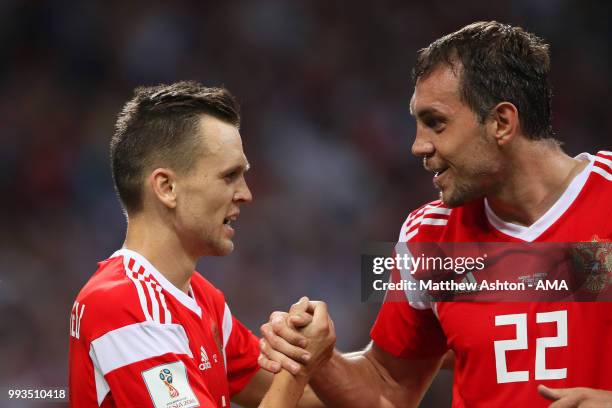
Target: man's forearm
354, 380
310, 399
253, 394
285, 391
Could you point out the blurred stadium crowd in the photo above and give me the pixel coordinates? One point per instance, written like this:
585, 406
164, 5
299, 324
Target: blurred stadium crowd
324, 87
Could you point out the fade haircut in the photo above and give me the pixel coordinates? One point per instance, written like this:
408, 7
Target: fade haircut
496, 63
158, 127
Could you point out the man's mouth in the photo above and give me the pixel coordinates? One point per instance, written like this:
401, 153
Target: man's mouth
229, 219
439, 172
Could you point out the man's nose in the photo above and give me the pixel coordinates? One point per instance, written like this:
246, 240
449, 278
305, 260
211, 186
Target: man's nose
422, 145
243, 194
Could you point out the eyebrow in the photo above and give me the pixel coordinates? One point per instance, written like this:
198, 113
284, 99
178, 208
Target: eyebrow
242, 167
421, 113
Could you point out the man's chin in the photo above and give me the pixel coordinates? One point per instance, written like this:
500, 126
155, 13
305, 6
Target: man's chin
226, 249
221, 249
451, 200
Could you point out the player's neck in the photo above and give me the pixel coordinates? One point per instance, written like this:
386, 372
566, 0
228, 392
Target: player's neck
538, 176
162, 249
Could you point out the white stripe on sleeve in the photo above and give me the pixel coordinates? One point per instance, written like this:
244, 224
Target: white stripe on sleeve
154, 303
438, 210
434, 221
137, 342
102, 387
226, 329
227, 325
602, 173
162, 298
604, 161
141, 296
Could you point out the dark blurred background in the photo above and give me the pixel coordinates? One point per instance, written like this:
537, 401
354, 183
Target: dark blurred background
324, 87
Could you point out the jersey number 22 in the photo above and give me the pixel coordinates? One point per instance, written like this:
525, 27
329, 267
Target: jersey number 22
520, 343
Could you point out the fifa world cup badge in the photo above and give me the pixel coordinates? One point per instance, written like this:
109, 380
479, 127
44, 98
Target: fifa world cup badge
166, 376
168, 386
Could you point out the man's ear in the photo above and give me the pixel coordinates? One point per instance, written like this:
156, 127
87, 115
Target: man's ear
162, 182
505, 123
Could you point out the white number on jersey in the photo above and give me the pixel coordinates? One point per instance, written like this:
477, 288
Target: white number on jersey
520, 343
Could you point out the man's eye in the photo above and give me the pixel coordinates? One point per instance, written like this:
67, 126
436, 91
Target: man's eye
232, 175
435, 124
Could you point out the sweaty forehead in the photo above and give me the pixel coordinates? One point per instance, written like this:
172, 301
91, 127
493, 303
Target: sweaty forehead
437, 91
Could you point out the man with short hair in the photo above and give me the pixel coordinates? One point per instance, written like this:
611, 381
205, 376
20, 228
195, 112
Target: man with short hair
147, 330
482, 109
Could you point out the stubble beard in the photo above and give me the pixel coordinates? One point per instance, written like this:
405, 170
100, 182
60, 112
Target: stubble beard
473, 184
478, 180
461, 193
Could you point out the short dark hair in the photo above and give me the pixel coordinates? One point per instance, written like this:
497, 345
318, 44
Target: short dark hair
157, 128
498, 63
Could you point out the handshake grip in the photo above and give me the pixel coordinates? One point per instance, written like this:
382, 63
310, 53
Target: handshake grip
300, 341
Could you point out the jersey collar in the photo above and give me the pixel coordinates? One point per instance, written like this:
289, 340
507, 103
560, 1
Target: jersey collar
555, 212
187, 301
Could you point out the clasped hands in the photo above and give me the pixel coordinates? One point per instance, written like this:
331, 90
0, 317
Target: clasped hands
300, 341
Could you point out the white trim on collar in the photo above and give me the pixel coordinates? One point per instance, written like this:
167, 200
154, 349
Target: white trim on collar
536, 229
186, 300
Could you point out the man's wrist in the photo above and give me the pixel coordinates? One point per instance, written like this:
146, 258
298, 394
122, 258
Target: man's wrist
324, 371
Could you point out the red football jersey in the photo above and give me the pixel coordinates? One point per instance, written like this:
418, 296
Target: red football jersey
138, 341
505, 349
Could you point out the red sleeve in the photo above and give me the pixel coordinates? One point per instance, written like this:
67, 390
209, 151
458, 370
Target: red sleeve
241, 352
406, 332
402, 328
